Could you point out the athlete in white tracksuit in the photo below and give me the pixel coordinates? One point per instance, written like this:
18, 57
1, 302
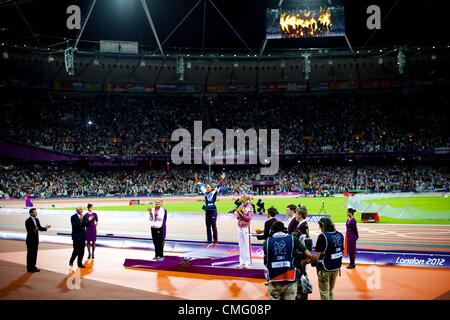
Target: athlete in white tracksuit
244, 215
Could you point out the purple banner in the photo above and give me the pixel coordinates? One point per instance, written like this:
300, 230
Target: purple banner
264, 183
405, 259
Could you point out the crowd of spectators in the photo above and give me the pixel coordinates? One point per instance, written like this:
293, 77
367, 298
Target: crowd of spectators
114, 124
65, 181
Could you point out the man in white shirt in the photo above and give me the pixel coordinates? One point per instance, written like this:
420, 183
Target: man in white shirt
158, 218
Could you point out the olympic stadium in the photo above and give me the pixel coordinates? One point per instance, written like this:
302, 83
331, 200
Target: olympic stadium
91, 108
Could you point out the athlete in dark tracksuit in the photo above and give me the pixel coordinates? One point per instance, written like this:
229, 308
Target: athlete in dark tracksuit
210, 209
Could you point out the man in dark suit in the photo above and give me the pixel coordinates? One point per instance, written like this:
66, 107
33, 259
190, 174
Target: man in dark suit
78, 236
271, 213
293, 223
33, 227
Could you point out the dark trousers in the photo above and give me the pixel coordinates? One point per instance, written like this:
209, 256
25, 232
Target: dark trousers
352, 259
32, 251
78, 251
211, 224
158, 242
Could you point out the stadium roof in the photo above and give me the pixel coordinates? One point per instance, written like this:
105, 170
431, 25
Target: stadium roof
223, 26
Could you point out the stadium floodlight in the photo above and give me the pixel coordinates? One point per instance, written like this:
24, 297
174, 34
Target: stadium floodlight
89, 122
68, 59
401, 61
180, 68
306, 65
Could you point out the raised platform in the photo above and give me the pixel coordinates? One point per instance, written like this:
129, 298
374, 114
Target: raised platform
225, 266
408, 258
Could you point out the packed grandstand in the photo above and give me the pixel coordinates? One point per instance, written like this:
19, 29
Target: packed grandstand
64, 181
111, 124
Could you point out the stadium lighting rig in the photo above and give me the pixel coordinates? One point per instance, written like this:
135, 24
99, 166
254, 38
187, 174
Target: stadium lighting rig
68, 61
401, 61
180, 68
306, 65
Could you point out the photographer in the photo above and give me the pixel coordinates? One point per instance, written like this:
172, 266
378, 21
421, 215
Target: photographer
281, 250
260, 207
328, 257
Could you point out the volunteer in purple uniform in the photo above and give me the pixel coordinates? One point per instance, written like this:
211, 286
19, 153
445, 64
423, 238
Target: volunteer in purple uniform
351, 236
210, 209
28, 202
91, 230
302, 233
158, 219
300, 215
292, 222
263, 235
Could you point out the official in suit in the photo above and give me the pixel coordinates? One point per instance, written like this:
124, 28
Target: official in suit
271, 213
78, 236
33, 227
292, 222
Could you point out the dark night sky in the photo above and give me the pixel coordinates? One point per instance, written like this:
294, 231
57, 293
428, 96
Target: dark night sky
410, 22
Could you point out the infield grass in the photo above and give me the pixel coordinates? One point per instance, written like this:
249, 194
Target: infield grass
334, 206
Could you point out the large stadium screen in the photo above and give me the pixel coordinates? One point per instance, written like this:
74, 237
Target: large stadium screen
305, 22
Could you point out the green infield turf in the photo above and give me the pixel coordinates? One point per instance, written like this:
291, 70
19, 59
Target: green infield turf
426, 203
334, 206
